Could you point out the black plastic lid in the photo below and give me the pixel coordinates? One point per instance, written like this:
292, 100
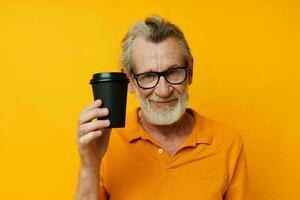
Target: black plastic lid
109, 76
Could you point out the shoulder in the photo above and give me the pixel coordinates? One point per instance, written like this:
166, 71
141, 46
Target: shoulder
227, 132
223, 134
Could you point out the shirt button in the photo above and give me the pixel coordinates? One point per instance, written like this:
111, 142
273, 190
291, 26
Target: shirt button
160, 150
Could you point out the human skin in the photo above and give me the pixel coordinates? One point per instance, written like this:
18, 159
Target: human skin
92, 142
93, 137
149, 56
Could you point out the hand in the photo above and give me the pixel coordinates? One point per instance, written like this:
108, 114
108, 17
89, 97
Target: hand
93, 136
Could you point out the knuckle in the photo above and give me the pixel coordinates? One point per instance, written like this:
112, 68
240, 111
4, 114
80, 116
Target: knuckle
80, 121
82, 141
81, 129
81, 112
95, 112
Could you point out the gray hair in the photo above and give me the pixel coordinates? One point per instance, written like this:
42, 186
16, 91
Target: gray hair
155, 29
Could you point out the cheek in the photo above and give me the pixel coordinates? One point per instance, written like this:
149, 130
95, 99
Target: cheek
145, 93
180, 88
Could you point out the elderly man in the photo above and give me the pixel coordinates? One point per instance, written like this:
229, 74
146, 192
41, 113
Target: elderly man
166, 151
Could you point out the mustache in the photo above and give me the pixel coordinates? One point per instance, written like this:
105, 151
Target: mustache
173, 96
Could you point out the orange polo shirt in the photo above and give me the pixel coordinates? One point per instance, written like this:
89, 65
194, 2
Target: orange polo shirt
209, 165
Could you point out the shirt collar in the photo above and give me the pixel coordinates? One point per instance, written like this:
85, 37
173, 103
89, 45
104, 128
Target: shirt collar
201, 132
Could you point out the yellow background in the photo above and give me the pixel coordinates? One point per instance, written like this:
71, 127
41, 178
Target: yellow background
246, 74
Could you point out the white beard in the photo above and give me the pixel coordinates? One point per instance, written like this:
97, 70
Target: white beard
167, 114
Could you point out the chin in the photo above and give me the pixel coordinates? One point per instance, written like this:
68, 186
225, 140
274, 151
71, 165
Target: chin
164, 116
164, 113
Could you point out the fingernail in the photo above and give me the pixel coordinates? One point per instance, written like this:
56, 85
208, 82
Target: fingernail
98, 101
106, 111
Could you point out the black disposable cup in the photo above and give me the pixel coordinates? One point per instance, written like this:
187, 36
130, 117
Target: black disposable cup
111, 88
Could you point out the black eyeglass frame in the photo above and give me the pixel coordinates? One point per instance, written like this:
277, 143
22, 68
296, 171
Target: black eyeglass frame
161, 74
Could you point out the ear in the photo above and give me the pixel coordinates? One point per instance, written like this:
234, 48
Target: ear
190, 72
130, 84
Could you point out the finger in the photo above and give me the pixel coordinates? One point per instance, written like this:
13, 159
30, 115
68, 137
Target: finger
94, 104
87, 138
88, 116
93, 126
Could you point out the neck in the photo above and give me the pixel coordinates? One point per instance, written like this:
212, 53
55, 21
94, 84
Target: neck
180, 128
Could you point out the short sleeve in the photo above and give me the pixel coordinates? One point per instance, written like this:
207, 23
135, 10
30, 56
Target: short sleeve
238, 187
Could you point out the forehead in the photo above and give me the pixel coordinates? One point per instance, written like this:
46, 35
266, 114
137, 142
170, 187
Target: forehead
150, 56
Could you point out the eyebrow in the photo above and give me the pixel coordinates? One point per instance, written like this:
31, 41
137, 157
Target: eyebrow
172, 67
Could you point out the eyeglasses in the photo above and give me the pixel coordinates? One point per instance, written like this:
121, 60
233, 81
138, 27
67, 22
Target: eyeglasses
174, 76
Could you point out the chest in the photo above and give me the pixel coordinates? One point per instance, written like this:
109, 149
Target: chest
171, 145
193, 175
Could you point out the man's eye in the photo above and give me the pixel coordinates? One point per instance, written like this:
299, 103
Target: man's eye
171, 72
174, 72
148, 76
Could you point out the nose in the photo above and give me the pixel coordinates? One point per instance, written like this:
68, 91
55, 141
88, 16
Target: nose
163, 88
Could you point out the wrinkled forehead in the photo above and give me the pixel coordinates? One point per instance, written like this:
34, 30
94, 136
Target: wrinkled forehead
150, 56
